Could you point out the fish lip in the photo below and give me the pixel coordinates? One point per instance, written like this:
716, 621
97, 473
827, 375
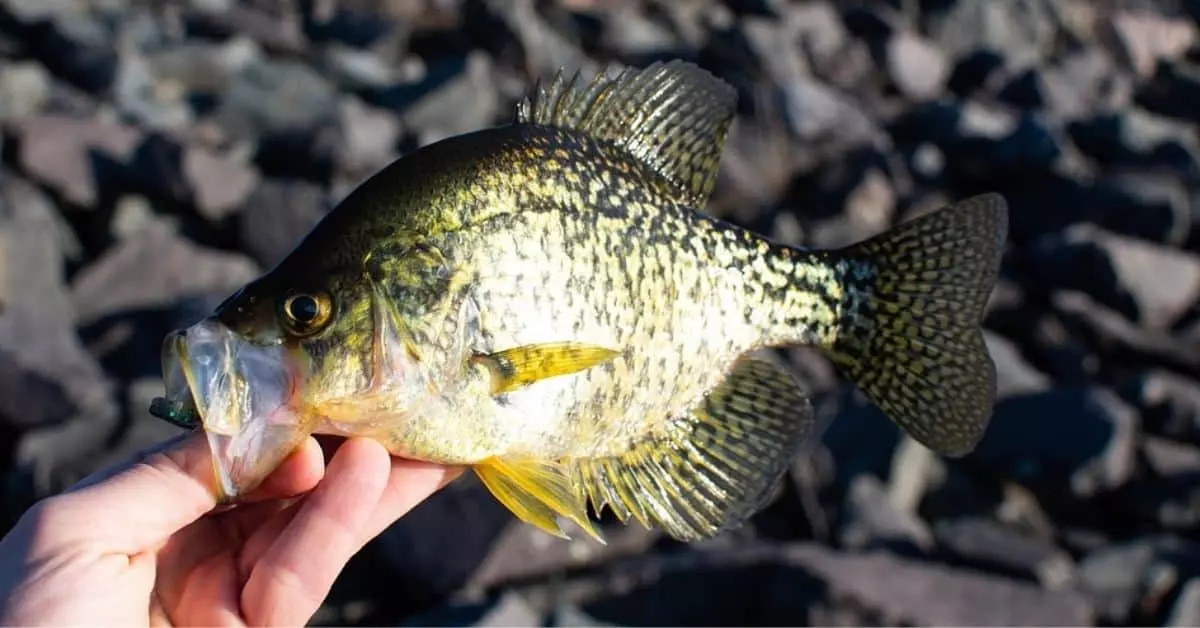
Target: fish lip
241, 392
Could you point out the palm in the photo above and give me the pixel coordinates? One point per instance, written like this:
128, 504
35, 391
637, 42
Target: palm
268, 561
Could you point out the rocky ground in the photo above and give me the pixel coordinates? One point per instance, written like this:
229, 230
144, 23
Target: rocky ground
157, 154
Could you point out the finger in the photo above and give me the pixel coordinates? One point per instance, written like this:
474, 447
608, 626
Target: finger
295, 574
410, 483
146, 499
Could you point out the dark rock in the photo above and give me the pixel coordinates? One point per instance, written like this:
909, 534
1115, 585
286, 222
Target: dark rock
1120, 342
917, 68
1130, 581
1083, 83
802, 584
464, 102
1186, 611
438, 547
988, 544
1149, 283
1077, 441
1027, 90
153, 271
1136, 138
871, 521
1168, 495
974, 72
76, 47
507, 609
277, 216
79, 159
275, 33
1172, 87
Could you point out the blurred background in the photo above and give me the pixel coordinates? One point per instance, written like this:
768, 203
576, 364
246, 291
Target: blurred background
157, 155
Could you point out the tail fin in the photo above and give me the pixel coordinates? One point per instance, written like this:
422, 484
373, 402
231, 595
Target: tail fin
913, 342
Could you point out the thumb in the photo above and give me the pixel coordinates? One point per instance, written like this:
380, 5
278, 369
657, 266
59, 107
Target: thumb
138, 503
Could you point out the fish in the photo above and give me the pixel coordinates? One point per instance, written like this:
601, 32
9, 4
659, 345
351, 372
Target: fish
548, 304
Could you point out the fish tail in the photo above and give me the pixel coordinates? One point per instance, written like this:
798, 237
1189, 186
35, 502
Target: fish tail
908, 329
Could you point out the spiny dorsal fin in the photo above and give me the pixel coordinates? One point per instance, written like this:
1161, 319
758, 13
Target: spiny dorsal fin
672, 116
718, 464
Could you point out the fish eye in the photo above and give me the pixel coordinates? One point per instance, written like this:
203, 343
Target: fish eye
305, 314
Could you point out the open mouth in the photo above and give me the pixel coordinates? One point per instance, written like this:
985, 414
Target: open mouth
241, 393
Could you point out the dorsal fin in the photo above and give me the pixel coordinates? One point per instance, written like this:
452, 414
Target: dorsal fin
672, 116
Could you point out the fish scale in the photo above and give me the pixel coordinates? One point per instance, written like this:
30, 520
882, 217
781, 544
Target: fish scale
547, 303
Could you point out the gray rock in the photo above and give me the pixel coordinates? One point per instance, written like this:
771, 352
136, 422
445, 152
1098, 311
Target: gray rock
277, 215
153, 270
467, 102
30, 11
1077, 441
1128, 580
1119, 337
1014, 374
815, 112
369, 138
58, 455
629, 30
276, 97
203, 67
280, 33
24, 89
1170, 404
355, 68
217, 185
871, 521
988, 544
150, 102
1143, 38
46, 375
1082, 83
1186, 611
1022, 30
918, 69
774, 46
1150, 283
62, 153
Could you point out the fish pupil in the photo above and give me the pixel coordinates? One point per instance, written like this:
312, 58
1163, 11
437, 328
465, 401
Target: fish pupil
304, 309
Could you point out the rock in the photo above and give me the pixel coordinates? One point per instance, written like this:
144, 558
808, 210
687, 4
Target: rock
1169, 90
277, 215
1143, 38
871, 521
460, 96
1170, 404
917, 67
369, 138
1119, 339
1128, 581
796, 584
1084, 83
76, 47
1149, 283
816, 112
202, 67
217, 186
55, 456
152, 271
280, 33
357, 69
1078, 441
974, 72
628, 29
1020, 31
1169, 494
79, 159
439, 546
24, 90
47, 378
509, 609
276, 97
152, 103
1186, 611
1014, 375
988, 544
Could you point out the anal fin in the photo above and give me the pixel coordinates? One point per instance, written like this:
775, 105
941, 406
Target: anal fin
716, 465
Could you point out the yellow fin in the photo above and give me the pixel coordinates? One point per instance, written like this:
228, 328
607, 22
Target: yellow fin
715, 466
535, 492
672, 116
521, 366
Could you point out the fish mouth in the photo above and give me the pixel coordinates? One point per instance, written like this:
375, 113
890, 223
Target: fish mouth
242, 393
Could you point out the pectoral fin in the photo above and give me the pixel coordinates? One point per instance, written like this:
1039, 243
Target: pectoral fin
521, 366
537, 491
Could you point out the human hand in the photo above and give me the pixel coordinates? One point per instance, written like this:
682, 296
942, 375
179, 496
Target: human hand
141, 544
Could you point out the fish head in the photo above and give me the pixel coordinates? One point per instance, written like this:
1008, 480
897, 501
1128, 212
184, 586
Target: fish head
304, 350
